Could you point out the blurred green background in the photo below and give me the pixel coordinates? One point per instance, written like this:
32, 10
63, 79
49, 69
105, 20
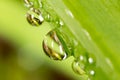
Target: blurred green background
21, 54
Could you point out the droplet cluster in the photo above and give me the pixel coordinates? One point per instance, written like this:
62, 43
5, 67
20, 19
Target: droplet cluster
33, 16
59, 44
84, 64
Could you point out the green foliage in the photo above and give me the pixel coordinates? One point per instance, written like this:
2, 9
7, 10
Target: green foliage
94, 24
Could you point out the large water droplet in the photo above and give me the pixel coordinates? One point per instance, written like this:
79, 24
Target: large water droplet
53, 47
34, 17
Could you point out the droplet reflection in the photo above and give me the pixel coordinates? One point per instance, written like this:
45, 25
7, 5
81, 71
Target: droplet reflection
78, 68
28, 4
84, 64
53, 47
34, 17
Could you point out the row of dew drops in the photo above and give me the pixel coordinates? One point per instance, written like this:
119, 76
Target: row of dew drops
57, 45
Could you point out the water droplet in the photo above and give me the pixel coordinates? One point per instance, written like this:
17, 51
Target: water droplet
91, 66
48, 17
60, 23
82, 58
33, 3
40, 2
92, 72
34, 17
90, 60
85, 64
53, 47
78, 67
28, 3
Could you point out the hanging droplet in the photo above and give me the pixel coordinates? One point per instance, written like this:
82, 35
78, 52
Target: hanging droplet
53, 47
79, 64
32, 3
78, 67
28, 3
34, 17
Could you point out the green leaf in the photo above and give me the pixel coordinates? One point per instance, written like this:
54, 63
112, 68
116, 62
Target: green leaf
95, 23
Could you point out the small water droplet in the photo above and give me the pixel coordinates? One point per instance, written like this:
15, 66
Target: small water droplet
85, 64
79, 65
90, 60
47, 17
28, 3
81, 58
32, 3
40, 3
92, 72
53, 47
90, 69
60, 23
34, 17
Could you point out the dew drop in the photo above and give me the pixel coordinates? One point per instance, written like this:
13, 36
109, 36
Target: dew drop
53, 47
40, 3
32, 3
60, 23
90, 68
92, 72
78, 67
48, 17
90, 60
34, 17
28, 3
82, 58
85, 64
